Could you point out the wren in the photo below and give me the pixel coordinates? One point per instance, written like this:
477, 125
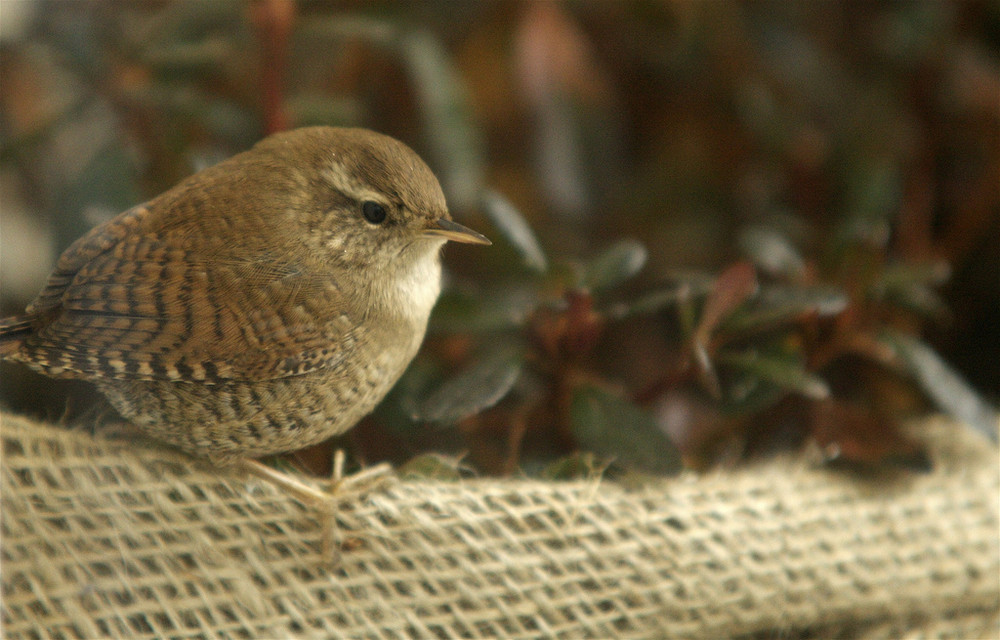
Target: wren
260, 306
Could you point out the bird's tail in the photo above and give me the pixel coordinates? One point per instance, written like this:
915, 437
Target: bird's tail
13, 331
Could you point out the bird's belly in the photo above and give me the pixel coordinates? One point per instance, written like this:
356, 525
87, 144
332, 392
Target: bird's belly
248, 419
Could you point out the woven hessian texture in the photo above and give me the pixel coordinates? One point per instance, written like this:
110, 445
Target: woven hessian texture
108, 538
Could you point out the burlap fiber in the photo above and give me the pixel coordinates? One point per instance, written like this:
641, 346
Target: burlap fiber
109, 538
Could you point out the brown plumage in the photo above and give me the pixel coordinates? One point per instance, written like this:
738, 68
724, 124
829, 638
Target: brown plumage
262, 305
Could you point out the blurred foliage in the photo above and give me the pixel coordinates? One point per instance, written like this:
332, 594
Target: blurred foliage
721, 228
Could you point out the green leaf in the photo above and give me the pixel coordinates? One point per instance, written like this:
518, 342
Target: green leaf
906, 274
785, 371
942, 384
395, 412
617, 264
649, 302
477, 388
509, 222
311, 108
108, 181
458, 312
776, 306
771, 251
611, 426
749, 395
823, 301
576, 466
923, 301
754, 380
451, 137
346, 26
872, 198
705, 369
910, 286
697, 283
234, 123
191, 22
433, 466
189, 57
691, 285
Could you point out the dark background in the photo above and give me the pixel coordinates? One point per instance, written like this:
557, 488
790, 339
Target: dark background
677, 123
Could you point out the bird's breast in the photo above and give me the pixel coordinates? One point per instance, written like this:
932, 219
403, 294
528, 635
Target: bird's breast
413, 288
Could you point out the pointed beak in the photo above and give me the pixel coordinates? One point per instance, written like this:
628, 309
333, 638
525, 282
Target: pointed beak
449, 230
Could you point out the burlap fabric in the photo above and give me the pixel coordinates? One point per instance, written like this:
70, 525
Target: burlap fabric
107, 538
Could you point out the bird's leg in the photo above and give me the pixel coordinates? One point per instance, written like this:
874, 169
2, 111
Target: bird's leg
289, 483
368, 479
320, 500
341, 487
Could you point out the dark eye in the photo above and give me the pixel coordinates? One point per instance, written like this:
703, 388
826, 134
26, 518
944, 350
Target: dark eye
373, 212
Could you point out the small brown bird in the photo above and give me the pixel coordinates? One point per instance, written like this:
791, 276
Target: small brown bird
260, 306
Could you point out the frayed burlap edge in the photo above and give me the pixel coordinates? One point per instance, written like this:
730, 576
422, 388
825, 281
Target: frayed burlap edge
106, 538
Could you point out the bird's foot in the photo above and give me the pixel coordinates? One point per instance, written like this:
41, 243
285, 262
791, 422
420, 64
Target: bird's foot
343, 488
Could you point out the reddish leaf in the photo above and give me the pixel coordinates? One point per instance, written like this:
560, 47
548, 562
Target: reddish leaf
856, 434
570, 331
584, 325
555, 56
731, 289
273, 20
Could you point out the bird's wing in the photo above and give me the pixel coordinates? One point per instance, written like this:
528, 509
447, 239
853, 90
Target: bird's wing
126, 304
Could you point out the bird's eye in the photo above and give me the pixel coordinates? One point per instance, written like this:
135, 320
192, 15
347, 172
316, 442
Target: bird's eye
373, 212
